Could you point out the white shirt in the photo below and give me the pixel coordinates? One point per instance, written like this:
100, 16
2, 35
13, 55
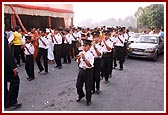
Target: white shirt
109, 43
30, 47
118, 42
9, 33
41, 45
58, 37
69, 38
81, 47
23, 40
89, 57
99, 48
126, 37
10, 39
10, 36
79, 34
90, 37
49, 36
50, 39
113, 40
76, 36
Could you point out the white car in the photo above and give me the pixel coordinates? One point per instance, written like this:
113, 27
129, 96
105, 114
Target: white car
146, 46
134, 37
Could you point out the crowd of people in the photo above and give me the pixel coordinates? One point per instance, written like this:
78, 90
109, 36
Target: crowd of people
95, 50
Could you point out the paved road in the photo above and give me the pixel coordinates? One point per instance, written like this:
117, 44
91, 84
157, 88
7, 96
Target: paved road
139, 87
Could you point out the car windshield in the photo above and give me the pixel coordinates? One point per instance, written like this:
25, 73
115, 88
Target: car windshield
135, 35
147, 39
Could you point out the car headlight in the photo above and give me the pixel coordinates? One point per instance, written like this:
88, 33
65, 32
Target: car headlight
150, 50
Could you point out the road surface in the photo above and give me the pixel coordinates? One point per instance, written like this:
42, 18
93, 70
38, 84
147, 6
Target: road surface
139, 87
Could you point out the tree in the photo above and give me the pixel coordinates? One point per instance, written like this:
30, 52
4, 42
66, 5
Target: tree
151, 16
139, 12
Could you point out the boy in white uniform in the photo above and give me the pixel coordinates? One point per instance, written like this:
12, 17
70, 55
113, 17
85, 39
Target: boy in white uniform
85, 61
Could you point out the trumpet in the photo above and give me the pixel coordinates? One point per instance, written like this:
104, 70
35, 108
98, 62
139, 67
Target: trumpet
77, 57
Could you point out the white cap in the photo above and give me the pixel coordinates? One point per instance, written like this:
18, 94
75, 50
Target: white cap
26, 35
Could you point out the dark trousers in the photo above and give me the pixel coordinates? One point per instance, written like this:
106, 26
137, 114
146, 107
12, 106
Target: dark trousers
114, 57
120, 55
96, 74
121, 64
17, 53
105, 65
74, 49
42, 52
85, 76
57, 54
66, 51
125, 48
115, 61
111, 65
29, 66
11, 94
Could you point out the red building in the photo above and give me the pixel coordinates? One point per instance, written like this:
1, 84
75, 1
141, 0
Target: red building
39, 15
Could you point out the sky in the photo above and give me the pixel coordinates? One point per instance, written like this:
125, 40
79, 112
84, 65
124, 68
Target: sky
99, 11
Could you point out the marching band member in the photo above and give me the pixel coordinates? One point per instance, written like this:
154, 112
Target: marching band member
75, 39
120, 50
85, 61
96, 50
106, 58
67, 42
29, 64
57, 40
43, 51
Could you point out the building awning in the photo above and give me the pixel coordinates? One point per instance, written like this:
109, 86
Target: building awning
53, 10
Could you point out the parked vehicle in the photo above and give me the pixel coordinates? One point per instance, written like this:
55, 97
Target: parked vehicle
134, 37
146, 46
131, 33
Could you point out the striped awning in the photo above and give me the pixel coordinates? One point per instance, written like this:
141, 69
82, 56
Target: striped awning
52, 10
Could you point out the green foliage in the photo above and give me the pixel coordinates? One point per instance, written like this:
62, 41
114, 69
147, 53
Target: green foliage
151, 16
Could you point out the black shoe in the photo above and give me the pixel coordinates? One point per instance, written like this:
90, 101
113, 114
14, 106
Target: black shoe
41, 71
59, 67
56, 67
106, 82
97, 91
79, 98
30, 79
114, 66
14, 105
45, 73
121, 69
88, 103
64, 62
